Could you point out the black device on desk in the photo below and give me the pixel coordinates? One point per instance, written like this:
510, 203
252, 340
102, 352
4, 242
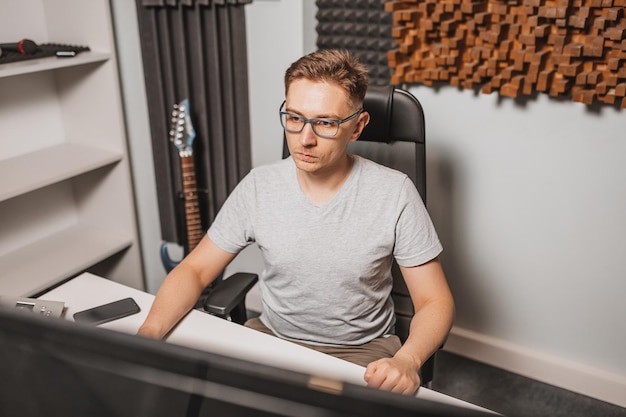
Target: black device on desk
56, 367
108, 312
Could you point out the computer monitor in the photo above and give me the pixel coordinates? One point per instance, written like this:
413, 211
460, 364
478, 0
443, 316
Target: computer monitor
49, 366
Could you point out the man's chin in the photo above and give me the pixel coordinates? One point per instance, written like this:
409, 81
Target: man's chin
306, 166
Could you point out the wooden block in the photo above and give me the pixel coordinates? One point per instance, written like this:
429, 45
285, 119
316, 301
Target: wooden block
613, 14
609, 98
570, 70
614, 33
599, 23
527, 39
582, 96
497, 9
518, 60
391, 6
557, 41
573, 50
467, 84
514, 30
560, 59
533, 73
558, 87
593, 47
594, 77
527, 87
578, 22
547, 12
483, 18
541, 31
544, 80
539, 58
610, 79
473, 7
507, 73
509, 90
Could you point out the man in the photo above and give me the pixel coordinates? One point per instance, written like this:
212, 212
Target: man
328, 225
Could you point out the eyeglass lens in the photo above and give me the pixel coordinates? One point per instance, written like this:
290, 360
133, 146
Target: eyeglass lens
321, 127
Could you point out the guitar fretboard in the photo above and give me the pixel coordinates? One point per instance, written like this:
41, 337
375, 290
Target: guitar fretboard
192, 208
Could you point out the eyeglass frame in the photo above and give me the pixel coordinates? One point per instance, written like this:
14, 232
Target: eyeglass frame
316, 119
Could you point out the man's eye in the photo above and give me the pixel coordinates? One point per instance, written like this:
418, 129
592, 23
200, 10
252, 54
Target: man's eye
295, 119
324, 123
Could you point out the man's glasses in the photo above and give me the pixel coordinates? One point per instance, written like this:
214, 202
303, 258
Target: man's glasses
323, 127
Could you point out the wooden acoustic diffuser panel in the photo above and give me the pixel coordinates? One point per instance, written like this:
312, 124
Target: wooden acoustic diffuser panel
570, 48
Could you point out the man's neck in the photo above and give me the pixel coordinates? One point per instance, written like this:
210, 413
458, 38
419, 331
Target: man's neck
321, 187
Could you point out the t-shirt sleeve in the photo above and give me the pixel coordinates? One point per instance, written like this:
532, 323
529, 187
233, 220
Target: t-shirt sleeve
232, 229
416, 238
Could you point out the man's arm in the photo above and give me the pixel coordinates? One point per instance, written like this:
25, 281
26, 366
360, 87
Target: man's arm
434, 311
182, 287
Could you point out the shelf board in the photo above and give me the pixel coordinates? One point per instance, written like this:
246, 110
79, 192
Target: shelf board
39, 266
51, 165
50, 63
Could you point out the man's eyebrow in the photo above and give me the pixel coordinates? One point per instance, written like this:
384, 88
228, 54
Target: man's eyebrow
322, 116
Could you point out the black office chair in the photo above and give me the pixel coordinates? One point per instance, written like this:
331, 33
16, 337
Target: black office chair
395, 137
226, 298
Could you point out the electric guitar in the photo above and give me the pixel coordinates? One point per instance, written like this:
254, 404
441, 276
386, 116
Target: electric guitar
182, 135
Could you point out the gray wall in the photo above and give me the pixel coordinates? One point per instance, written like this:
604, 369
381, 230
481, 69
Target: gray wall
528, 198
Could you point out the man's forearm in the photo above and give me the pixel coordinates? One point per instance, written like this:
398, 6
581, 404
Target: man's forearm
176, 297
428, 331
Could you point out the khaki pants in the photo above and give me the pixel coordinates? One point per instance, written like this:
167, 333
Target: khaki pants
382, 347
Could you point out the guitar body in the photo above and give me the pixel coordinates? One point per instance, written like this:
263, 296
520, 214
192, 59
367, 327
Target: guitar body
182, 135
168, 263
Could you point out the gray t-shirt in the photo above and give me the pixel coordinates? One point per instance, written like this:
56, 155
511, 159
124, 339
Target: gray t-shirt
327, 276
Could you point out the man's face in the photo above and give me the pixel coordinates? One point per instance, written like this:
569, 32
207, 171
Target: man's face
311, 99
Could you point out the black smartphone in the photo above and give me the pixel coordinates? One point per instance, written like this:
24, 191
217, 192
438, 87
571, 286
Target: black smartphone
108, 312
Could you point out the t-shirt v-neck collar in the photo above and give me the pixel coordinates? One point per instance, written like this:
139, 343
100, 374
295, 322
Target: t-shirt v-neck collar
335, 199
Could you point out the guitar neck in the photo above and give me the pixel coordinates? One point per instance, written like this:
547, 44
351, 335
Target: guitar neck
192, 208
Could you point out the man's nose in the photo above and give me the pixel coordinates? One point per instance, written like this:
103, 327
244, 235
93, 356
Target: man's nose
307, 136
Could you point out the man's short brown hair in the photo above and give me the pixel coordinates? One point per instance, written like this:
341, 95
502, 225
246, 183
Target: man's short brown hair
332, 66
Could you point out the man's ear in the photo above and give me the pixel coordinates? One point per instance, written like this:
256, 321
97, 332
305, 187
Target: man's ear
364, 119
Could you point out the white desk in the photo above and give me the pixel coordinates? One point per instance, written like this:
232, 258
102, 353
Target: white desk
205, 332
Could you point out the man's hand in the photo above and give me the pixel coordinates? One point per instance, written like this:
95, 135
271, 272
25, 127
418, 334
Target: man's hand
149, 331
397, 374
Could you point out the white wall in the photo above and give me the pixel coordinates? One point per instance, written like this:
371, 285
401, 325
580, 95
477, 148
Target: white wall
528, 197
530, 203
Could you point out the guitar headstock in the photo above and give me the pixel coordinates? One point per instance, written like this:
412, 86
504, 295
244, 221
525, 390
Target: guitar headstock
182, 133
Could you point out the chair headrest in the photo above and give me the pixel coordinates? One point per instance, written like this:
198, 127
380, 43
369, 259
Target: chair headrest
378, 103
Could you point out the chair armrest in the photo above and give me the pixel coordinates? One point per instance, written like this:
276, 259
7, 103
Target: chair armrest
228, 293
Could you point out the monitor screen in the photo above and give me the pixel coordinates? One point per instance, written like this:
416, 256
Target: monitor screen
49, 366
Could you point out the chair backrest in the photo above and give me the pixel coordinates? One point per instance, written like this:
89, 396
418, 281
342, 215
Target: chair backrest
394, 137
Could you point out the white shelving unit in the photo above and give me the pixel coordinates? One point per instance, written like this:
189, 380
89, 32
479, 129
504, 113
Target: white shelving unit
66, 198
